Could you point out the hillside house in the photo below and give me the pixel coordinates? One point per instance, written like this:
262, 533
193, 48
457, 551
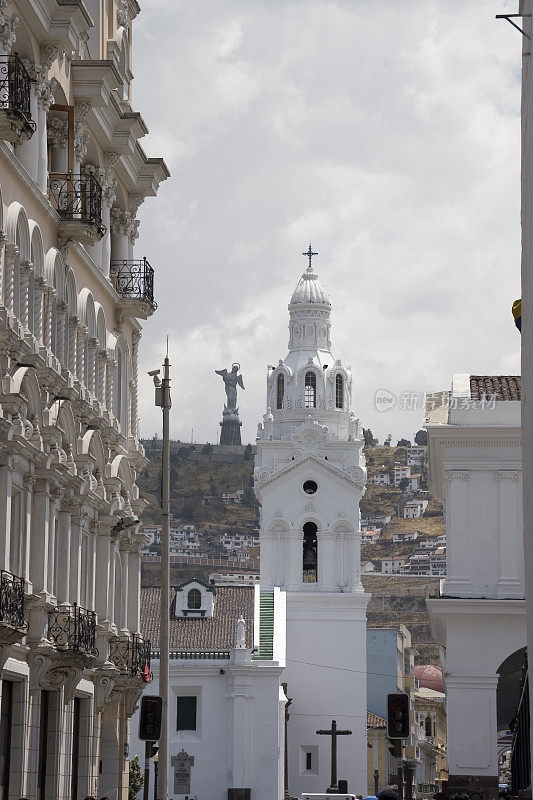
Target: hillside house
406, 536
416, 454
392, 566
415, 481
371, 535
368, 566
400, 472
381, 478
378, 520
414, 508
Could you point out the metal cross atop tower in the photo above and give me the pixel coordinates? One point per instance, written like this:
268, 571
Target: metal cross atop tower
310, 255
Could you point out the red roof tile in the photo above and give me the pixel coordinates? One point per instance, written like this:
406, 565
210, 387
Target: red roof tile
505, 387
215, 633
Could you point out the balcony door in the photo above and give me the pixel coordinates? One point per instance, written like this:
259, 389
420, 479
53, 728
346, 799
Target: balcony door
6, 723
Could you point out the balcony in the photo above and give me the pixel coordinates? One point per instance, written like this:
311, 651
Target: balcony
78, 201
12, 622
134, 282
16, 123
72, 631
131, 656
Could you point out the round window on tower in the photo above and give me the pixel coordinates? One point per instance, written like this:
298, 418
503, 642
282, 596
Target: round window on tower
310, 487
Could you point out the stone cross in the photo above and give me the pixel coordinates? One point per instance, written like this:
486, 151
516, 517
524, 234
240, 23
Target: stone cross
334, 732
182, 764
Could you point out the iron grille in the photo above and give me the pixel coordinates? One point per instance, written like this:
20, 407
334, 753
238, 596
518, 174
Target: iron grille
521, 751
77, 198
134, 279
15, 89
12, 600
131, 657
72, 629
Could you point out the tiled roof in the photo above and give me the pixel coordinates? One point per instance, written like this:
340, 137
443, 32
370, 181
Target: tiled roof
215, 633
373, 721
430, 677
505, 387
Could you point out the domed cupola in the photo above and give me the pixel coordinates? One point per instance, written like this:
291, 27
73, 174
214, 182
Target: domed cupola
309, 311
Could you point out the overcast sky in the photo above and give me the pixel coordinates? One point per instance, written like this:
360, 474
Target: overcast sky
388, 133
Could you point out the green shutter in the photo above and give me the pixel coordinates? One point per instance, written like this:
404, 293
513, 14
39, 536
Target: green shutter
266, 626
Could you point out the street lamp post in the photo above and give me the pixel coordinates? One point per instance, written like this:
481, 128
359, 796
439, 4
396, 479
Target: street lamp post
162, 399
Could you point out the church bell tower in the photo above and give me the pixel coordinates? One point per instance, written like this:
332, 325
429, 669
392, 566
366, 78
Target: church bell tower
309, 478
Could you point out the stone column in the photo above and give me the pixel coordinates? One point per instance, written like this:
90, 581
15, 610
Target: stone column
26, 269
75, 557
326, 559
80, 352
39, 534
267, 578
69, 506
124, 558
135, 339
29, 483
53, 566
110, 383
511, 579
119, 223
109, 185
38, 292
458, 550
295, 558
10, 254
134, 588
91, 354
73, 323
103, 564
5, 492
61, 320
57, 136
50, 297
44, 101
102, 358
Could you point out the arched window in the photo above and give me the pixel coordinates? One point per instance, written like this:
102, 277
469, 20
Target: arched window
339, 392
310, 390
194, 599
280, 391
310, 553
428, 726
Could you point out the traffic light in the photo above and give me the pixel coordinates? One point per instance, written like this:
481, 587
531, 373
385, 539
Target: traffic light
398, 716
150, 720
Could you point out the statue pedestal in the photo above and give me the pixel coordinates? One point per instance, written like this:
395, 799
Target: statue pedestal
231, 429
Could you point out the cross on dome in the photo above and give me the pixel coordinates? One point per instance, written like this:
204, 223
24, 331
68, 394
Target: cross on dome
309, 253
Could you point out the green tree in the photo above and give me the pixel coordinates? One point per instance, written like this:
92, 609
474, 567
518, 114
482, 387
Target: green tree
207, 449
187, 512
136, 778
403, 443
404, 483
247, 455
213, 490
421, 438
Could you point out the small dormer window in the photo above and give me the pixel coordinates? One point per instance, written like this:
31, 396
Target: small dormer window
194, 599
280, 390
310, 390
339, 392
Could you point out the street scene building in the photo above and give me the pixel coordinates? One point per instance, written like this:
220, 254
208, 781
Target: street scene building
72, 294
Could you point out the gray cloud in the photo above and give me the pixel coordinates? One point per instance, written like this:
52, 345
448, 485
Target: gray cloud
388, 133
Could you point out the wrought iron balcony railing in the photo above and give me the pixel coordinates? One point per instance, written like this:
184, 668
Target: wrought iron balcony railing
12, 601
15, 92
77, 199
131, 656
134, 279
72, 629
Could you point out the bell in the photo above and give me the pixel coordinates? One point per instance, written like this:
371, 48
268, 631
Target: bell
309, 559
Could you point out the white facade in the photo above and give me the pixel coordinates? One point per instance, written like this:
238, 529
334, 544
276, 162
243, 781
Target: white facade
476, 468
400, 473
392, 566
72, 177
380, 479
309, 477
414, 508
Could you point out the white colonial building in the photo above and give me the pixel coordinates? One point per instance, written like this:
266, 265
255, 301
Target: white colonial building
309, 477
479, 621
72, 176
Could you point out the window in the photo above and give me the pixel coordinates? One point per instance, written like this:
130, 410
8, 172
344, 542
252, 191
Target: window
43, 746
310, 553
429, 726
339, 392
280, 391
16, 544
310, 390
74, 765
194, 599
309, 761
310, 487
187, 712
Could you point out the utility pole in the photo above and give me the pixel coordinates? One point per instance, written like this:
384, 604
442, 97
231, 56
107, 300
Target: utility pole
162, 399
